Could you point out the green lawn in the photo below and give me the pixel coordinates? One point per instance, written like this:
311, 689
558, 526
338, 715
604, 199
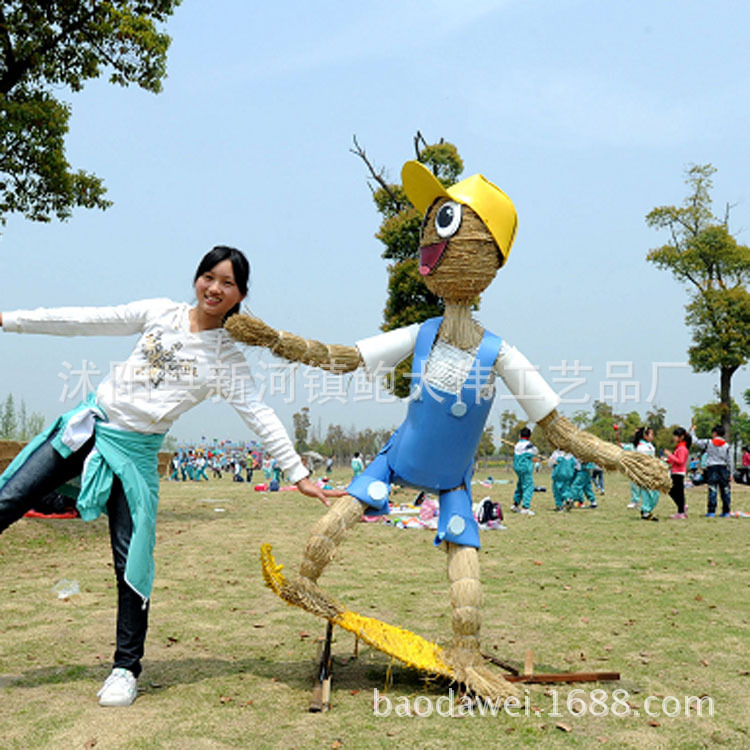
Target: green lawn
230, 665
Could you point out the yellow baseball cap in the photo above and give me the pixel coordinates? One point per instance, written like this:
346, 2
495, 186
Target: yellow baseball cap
492, 205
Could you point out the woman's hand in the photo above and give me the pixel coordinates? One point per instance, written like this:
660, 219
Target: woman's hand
306, 487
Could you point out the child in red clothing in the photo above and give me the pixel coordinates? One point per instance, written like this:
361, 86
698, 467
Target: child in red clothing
678, 466
744, 476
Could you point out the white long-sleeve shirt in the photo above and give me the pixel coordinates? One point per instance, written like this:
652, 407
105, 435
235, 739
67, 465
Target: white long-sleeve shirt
170, 370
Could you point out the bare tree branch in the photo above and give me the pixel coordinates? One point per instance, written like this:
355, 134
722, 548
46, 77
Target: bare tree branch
675, 238
417, 139
727, 209
694, 281
377, 176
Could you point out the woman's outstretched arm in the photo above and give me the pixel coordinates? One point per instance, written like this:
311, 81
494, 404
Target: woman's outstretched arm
115, 320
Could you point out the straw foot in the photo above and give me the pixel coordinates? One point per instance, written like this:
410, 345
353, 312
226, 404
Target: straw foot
471, 669
300, 592
408, 647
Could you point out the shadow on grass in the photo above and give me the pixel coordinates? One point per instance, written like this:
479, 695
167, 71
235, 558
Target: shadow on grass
363, 673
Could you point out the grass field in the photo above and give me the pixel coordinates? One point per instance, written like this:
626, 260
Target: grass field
230, 665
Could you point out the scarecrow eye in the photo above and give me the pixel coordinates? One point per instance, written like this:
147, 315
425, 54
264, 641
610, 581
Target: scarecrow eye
448, 219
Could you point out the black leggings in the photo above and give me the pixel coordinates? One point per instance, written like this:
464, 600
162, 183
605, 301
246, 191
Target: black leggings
44, 471
677, 493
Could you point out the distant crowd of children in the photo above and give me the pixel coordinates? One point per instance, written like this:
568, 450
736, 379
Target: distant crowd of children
190, 464
573, 480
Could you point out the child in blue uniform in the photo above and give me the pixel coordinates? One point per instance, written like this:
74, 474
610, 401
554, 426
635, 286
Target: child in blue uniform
643, 442
523, 464
581, 487
563, 470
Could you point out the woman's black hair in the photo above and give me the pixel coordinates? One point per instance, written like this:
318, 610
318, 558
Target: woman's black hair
240, 266
639, 433
682, 434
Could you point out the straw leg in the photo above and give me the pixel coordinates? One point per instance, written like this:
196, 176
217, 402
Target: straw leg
326, 535
464, 654
465, 596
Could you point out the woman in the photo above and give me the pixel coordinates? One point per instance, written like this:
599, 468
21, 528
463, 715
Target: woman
643, 440
113, 438
677, 468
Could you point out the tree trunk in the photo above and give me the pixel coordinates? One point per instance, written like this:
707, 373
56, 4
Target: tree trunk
725, 398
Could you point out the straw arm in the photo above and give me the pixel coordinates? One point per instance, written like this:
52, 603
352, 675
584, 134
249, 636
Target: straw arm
644, 470
254, 332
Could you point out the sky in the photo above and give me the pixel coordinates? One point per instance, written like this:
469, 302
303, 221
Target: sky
586, 113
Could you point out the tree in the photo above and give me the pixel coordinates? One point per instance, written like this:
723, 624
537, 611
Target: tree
35, 424
64, 43
601, 422
22, 431
580, 419
486, 445
628, 424
301, 421
707, 416
409, 300
540, 440
706, 258
510, 426
170, 444
8, 421
335, 442
656, 418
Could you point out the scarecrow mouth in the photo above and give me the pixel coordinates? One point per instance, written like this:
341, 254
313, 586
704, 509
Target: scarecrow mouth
429, 257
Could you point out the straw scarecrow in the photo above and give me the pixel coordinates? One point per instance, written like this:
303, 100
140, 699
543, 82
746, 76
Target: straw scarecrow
466, 237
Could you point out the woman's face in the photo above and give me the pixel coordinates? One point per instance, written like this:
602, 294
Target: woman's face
216, 290
649, 435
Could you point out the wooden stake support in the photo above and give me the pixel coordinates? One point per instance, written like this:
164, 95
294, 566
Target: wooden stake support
564, 677
528, 665
528, 675
321, 695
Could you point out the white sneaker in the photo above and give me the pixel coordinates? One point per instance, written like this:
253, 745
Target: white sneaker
119, 689
633, 505
527, 512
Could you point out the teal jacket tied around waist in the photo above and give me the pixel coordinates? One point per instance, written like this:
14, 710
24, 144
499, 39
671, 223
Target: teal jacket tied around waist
133, 457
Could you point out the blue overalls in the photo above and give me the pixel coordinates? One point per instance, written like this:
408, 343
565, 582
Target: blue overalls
434, 448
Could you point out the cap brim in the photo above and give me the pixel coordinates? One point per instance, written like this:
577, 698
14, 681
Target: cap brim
421, 186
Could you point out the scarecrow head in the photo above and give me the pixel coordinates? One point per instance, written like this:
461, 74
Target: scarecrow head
467, 232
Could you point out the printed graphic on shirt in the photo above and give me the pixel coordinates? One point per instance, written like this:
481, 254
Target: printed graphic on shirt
163, 361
